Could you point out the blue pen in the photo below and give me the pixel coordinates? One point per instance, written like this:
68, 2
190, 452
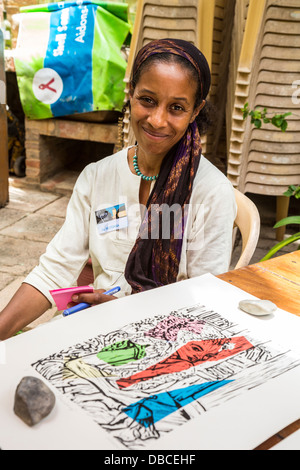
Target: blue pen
83, 305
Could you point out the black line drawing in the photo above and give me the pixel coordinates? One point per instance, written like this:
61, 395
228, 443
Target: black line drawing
89, 373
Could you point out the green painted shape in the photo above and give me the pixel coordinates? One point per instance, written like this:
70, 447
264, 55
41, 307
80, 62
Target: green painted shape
122, 352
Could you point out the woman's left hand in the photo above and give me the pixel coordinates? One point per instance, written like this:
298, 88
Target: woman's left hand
93, 298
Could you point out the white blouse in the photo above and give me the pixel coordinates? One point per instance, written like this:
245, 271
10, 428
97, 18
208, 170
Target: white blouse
91, 229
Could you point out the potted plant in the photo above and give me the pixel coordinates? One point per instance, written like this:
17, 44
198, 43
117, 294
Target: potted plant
258, 117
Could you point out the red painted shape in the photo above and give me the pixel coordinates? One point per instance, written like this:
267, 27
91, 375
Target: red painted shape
190, 355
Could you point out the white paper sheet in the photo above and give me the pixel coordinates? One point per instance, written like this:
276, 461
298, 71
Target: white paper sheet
242, 418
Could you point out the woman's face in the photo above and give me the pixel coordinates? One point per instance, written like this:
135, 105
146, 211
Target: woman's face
162, 106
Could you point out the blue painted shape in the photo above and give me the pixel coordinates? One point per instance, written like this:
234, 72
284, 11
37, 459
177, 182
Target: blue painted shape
156, 407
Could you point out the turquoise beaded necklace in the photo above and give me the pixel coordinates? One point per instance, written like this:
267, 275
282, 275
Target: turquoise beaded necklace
137, 170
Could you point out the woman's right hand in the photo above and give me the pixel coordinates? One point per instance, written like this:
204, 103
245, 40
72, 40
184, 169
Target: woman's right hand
94, 298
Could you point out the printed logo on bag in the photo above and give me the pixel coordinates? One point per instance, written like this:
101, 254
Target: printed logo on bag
47, 86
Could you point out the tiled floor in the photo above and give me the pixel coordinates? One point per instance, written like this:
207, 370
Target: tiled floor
27, 224
31, 219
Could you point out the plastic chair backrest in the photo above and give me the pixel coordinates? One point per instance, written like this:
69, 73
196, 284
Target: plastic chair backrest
248, 223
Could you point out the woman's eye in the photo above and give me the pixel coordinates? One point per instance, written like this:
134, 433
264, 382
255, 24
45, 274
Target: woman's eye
177, 107
146, 100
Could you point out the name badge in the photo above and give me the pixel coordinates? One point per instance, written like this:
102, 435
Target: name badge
111, 218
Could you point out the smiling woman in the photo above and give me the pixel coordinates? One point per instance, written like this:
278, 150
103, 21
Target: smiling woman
178, 210
160, 116
169, 85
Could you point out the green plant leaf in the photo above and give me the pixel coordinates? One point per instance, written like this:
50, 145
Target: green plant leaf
290, 191
245, 110
256, 114
278, 120
293, 191
293, 219
257, 123
297, 193
280, 245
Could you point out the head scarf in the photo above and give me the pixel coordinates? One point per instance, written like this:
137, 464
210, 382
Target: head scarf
155, 257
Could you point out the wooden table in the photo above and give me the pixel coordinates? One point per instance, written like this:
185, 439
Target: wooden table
278, 280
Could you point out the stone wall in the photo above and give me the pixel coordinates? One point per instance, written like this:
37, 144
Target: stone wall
53, 145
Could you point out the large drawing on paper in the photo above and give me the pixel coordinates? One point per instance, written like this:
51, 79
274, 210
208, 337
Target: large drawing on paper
143, 380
